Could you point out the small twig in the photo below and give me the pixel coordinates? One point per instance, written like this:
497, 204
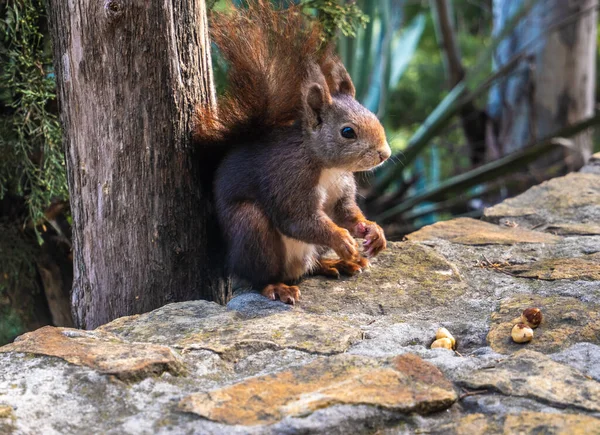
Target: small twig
486, 259
538, 225
498, 267
472, 393
506, 272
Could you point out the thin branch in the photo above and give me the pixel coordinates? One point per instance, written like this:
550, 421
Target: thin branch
444, 29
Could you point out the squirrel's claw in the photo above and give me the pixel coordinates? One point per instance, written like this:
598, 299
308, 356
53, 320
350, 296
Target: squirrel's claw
335, 268
288, 294
374, 241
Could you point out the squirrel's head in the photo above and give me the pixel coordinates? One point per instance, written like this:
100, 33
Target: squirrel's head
338, 129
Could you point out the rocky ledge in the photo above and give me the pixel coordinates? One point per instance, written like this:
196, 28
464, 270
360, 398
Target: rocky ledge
354, 356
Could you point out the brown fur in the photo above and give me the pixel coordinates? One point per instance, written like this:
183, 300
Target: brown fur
269, 53
285, 190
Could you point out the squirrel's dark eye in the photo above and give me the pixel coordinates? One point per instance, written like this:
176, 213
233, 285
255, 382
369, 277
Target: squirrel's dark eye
348, 133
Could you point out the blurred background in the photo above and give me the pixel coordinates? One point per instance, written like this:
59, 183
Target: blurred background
481, 99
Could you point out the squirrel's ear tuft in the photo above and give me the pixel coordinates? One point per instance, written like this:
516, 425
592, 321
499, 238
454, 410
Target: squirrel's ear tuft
338, 79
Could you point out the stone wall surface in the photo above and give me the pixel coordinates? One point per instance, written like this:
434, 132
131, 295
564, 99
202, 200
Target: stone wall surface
354, 355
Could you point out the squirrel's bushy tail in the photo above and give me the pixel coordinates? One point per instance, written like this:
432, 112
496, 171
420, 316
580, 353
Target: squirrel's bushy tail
269, 54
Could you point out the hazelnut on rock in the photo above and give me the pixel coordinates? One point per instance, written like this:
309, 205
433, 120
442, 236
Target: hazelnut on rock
532, 317
444, 333
521, 333
442, 343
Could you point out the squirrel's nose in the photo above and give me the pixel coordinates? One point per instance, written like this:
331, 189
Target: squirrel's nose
385, 153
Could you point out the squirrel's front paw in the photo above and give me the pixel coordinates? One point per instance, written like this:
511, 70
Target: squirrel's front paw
288, 294
345, 246
374, 237
335, 268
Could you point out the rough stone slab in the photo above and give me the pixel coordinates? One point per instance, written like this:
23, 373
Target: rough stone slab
169, 323
205, 325
534, 375
524, 423
566, 321
473, 424
584, 357
574, 198
589, 229
541, 423
404, 278
408, 385
585, 268
467, 231
100, 351
293, 330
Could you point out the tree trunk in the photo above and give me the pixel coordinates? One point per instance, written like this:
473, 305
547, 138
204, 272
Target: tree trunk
129, 74
554, 86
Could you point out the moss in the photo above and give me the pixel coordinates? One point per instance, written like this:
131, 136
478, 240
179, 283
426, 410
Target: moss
405, 277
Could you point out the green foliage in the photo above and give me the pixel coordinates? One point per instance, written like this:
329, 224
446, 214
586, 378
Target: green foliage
10, 326
423, 84
17, 272
17, 254
32, 165
335, 15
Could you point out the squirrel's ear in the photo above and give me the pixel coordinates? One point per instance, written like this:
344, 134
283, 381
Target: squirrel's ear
316, 96
315, 100
338, 79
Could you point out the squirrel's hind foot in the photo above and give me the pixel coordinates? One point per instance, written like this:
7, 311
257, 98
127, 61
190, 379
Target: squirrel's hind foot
335, 268
289, 294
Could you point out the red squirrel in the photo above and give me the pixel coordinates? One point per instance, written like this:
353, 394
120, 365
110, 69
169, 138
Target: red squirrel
292, 135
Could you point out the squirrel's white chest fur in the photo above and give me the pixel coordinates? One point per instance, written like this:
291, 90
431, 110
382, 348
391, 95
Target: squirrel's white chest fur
300, 257
331, 186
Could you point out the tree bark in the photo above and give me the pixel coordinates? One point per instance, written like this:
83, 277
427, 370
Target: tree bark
554, 86
129, 74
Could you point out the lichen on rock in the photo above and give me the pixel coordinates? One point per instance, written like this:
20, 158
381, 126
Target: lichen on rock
100, 351
407, 385
534, 375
